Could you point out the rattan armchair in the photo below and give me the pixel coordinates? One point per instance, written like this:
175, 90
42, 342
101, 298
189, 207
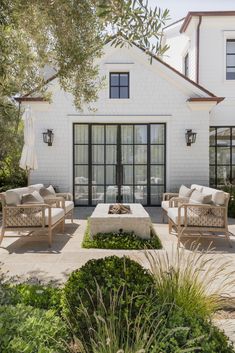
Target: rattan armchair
197, 220
67, 204
165, 202
31, 217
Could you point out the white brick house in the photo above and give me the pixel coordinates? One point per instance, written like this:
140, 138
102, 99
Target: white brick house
132, 148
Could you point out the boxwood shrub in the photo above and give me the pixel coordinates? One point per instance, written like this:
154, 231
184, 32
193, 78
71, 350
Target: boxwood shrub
108, 275
31, 330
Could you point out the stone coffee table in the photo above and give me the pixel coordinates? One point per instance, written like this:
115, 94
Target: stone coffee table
137, 221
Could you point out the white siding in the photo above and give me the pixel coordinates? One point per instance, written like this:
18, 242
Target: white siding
153, 98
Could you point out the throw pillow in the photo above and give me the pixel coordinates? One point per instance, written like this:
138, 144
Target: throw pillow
185, 192
51, 189
32, 198
47, 193
198, 198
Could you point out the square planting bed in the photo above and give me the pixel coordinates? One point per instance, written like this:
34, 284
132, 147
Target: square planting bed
137, 221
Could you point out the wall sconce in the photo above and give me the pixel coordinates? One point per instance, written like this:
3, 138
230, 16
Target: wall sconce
190, 137
48, 137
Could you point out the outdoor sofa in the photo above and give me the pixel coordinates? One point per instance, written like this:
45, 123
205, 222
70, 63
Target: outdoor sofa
24, 209
197, 211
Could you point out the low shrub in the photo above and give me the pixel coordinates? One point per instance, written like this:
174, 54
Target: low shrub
231, 205
36, 295
207, 337
30, 330
128, 241
107, 275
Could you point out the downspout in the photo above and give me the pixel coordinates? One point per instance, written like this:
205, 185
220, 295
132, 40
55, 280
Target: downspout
198, 48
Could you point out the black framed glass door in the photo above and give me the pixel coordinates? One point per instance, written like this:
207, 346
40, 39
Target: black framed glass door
119, 163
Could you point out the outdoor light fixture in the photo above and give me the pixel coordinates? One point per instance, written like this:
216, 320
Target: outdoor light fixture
48, 137
190, 137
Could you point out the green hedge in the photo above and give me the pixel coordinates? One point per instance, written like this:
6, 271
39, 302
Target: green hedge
31, 330
127, 241
231, 205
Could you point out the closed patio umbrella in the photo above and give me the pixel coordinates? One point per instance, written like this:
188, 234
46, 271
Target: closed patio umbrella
28, 160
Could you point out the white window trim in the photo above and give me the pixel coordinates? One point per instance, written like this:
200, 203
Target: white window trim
228, 34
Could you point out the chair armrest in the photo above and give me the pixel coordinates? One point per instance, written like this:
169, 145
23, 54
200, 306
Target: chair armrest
177, 201
3, 199
59, 201
66, 195
168, 195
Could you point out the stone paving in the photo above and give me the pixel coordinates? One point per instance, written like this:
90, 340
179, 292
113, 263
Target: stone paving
29, 256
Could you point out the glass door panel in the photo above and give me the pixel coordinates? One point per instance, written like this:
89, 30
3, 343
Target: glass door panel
111, 193
120, 163
127, 194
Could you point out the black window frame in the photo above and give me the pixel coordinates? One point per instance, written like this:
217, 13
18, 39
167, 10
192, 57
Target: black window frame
186, 65
228, 54
119, 86
149, 163
215, 146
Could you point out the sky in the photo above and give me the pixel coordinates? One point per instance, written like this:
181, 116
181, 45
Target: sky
179, 8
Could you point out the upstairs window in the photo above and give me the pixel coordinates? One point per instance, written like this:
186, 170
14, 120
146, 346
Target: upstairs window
230, 59
119, 85
186, 65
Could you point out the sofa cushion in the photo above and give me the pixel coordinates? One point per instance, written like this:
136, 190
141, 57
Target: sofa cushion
165, 205
199, 197
69, 205
172, 213
32, 198
13, 196
36, 187
218, 196
56, 215
196, 187
185, 192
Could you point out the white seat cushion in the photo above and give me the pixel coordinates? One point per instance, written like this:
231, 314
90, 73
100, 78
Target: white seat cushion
173, 214
69, 205
165, 205
56, 215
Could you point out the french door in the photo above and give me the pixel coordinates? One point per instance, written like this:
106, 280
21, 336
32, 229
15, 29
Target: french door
119, 163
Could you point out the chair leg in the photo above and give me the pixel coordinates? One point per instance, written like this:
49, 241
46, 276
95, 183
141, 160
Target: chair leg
2, 234
170, 226
62, 224
228, 239
163, 216
72, 216
50, 236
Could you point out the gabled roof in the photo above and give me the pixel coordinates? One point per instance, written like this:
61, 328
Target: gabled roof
203, 13
171, 68
211, 97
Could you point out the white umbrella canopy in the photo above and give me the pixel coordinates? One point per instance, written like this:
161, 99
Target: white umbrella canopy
28, 160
